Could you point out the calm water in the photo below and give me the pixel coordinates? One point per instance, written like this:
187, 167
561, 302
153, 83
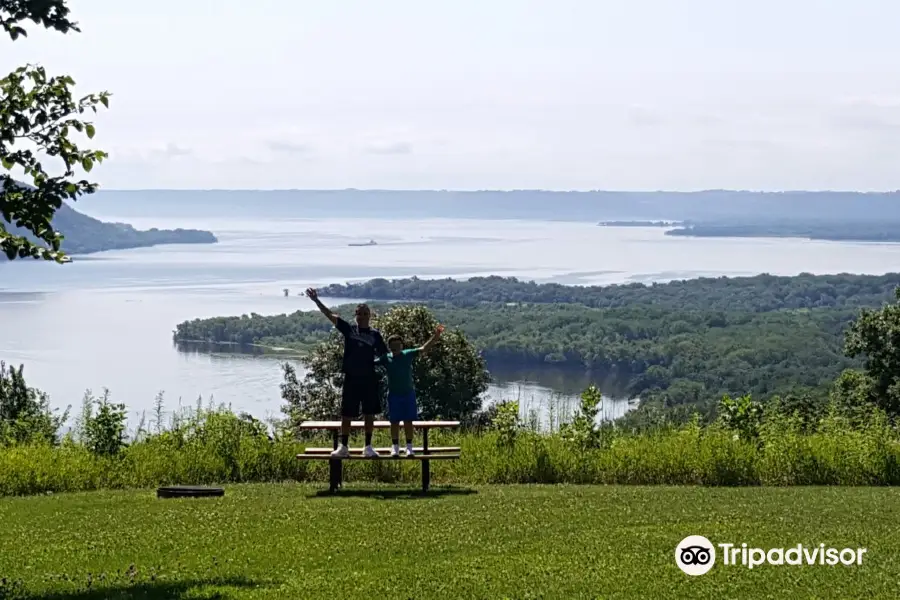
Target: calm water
106, 320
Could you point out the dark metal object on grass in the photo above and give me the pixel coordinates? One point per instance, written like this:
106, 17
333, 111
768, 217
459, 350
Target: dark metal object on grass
188, 491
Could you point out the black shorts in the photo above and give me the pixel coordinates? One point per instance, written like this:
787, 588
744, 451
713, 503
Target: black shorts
360, 392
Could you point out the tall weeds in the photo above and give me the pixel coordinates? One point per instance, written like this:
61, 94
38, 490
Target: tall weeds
197, 447
206, 446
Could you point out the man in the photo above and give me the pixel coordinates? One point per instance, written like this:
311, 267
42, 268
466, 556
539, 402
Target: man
361, 382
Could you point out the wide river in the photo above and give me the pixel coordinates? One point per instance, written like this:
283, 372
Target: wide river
106, 320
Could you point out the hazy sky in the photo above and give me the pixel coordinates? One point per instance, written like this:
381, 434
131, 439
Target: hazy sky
561, 94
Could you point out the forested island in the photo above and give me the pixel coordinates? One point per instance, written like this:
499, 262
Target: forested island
85, 235
761, 293
838, 231
638, 223
680, 343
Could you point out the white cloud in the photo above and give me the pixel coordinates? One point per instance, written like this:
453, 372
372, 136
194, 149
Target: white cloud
388, 148
575, 94
283, 147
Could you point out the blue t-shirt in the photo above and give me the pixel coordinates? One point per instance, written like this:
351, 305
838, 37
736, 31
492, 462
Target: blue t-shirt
399, 371
360, 348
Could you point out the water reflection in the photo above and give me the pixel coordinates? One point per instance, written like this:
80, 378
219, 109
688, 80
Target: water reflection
547, 395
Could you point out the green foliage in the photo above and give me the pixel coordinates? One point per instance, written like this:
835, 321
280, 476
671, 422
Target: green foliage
506, 423
38, 116
667, 357
761, 293
876, 336
317, 396
302, 330
806, 405
449, 379
793, 440
583, 430
742, 415
25, 413
194, 448
745, 446
102, 432
219, 447
853, 394
52, 14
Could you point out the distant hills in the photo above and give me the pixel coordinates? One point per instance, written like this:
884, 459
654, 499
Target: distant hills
703, 206
84, 234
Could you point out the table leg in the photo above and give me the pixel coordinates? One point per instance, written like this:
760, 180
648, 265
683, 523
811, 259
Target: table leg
334, 474
426, 464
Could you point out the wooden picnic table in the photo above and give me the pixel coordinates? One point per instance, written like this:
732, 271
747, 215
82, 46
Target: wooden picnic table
424, 454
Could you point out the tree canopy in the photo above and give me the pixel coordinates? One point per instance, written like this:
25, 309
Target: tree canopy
761, 293
673, 345
25, 413
449, 379
40, 119
875, 335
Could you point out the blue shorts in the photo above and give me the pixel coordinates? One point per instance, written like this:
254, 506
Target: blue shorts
402, 407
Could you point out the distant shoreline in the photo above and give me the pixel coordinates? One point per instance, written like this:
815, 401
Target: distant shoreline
883, 232
708, 206
640, 224
851, 232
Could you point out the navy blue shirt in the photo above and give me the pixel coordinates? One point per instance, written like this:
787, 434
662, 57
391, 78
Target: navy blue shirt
361, 346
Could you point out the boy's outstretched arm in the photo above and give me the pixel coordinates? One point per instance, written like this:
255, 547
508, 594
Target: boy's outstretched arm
313, 295
433, 339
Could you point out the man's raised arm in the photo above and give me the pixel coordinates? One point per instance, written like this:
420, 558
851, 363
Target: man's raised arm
313, 295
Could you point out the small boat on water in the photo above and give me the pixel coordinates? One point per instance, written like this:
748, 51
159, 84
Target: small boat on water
369, 243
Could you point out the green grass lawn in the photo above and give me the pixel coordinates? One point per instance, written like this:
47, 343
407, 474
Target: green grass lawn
285, 541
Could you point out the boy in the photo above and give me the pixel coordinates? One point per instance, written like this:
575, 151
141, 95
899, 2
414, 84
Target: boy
401, 389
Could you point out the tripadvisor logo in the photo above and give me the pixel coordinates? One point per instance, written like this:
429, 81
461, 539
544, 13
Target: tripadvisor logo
696, 555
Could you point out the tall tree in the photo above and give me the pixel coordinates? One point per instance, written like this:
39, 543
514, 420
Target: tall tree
875, 335
25, 413
450, 379
39, 119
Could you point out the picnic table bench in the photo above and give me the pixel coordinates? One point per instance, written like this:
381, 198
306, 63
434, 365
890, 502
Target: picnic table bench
424, 454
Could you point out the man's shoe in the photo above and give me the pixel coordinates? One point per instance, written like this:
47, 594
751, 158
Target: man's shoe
341, 452
369, 452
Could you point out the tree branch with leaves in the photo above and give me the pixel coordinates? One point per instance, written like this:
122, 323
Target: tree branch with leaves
39, 119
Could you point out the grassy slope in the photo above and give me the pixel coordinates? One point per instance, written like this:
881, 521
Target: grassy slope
285, 541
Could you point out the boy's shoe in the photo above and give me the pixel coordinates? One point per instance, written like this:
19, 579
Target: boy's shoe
369, 452
341, 452
409, 452
395, 451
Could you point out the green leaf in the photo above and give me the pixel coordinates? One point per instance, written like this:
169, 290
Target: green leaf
89, 129
104, 100
87, 163
7, 164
